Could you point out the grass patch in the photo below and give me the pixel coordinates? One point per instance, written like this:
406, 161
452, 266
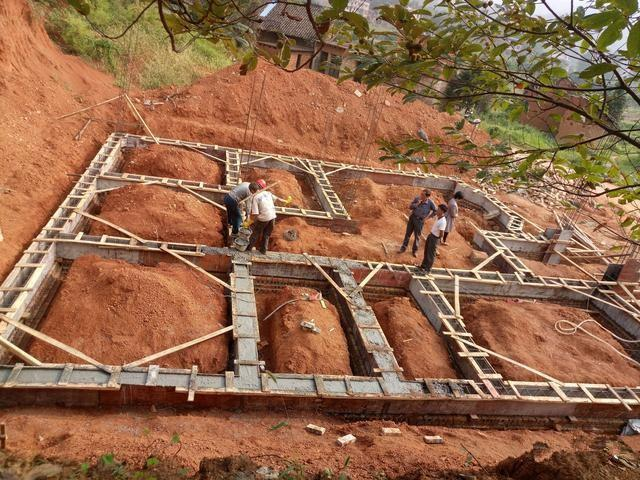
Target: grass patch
500, 127
143, 57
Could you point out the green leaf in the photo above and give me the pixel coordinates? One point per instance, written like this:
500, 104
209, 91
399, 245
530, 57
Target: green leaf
597, 69
633, 42
152, 462
357, 21
175, 438
599, 20
611, 34
278, 425
339, 5
628, 7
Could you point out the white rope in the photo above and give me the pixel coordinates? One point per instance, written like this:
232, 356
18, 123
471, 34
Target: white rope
567, 327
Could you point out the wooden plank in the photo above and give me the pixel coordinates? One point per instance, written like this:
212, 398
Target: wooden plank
367, 279
52, 341
620, 399
208, 155
177, 348
88, 108
193, 378
488, 260
506, 359
113, 225
576, 265
196, 267
456, 294
328, 278
136, 114
18, 352
202, 197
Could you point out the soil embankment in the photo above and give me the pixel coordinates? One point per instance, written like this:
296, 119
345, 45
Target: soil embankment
117, 312
419, 349
160, 213
172, 162
524, 331
288, 348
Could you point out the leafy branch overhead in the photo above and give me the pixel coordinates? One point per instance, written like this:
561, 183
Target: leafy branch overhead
577, 64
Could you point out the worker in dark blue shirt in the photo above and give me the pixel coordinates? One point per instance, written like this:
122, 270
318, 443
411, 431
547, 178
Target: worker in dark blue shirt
421, 208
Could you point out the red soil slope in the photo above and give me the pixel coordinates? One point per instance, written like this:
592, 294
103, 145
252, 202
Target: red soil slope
296, 115
133, 311
38, 83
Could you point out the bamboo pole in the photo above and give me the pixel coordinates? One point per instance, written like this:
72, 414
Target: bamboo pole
88, 108
196, 267
18, 352
136, 114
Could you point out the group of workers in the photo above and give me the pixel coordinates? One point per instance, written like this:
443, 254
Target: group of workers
259, 204
423, 208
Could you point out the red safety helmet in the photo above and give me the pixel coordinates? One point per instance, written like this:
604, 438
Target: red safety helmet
262, 183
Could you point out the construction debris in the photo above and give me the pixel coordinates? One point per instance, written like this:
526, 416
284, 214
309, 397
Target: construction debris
346, 440
315, 429
309, 325
390, 432
433, 439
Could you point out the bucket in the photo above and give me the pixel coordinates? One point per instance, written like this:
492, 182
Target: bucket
244, 232
240, 243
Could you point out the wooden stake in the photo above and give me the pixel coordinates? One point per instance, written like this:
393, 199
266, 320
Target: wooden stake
328, 278
367, 279
88, 108
456, 294
112, 225
196, 267
202, 197
79, 134
18, 352
576, 265
208, 155
52, 341
487, 260
136, 114
337, 170
177, 348
507, 359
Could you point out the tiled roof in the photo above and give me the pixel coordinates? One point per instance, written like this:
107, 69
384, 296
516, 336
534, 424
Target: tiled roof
290, 20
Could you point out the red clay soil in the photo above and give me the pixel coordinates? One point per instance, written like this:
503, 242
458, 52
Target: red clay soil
284, 184
38, 83
524, 331
564, 270
172, 162
287, 348
420, 351
297, 115
117, 312
380, 212
159, 213
135, 434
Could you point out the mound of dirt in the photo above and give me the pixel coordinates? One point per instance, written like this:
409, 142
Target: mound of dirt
172, 162
288, 348
304, 113
117, 312
284, 184
525, 332
380, 213
420, 351
158, 213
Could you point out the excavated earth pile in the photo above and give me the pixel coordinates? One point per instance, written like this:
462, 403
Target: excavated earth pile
524, 331
287, 347
285, 184
172, 162
159, 213
420, 351
117, 312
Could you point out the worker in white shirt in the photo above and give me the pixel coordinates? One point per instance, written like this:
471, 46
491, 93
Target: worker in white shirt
233, 200
436, 234
262, 219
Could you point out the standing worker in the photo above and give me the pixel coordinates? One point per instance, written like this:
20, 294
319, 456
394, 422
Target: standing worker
232, 201
431, 245
262, 219
422, 207
452, 214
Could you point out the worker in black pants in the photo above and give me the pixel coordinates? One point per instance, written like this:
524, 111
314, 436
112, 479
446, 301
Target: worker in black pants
422, 207
436, 234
